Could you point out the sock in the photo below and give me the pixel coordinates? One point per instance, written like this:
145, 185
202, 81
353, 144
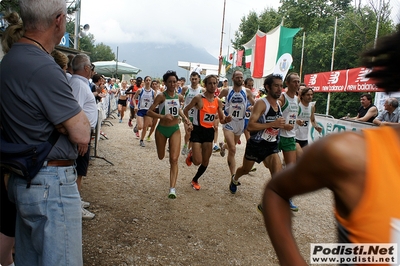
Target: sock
172, 189
200, 171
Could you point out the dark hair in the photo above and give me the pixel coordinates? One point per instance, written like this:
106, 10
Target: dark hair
96, 78
304, 92
384, 61
205, 80
368, 96
194, 73
139, 81
270, 79
171, 73
153, 81
247, 80
182, 79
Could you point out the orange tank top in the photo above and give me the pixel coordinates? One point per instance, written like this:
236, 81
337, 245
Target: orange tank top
205, 116
377, 216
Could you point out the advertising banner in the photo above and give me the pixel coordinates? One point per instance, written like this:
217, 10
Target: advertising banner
331, 125
350, 80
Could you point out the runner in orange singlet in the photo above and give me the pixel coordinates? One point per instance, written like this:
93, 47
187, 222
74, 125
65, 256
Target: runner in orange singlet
206, 108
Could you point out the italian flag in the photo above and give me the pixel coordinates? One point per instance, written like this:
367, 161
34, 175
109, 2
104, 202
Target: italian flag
264, 49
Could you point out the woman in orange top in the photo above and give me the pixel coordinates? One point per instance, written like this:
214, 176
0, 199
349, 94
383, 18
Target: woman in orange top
206, 108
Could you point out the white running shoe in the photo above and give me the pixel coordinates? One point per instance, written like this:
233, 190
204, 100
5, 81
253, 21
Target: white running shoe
85, 204
87, 215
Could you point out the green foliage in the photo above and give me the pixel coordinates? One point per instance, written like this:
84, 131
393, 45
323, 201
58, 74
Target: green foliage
9, 6
99, 52
355, 33
102, 52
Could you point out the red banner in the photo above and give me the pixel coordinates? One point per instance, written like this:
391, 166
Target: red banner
350, 80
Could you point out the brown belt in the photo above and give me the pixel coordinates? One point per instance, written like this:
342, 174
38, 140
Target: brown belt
60, 163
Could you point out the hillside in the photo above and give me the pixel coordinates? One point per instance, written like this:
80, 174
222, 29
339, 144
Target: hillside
155, 59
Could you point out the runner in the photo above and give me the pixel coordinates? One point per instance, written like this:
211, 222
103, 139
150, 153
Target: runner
188, 93
304, 119
264, 125
168, 128
216, 148
206, 108
236, 99
145, 97
122, 99
290, 108
155, 85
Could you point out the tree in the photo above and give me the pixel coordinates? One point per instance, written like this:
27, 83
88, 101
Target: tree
99, 52
355, 33
102, 52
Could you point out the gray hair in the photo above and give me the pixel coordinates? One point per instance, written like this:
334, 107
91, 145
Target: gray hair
39, 14
393, 102
80, 61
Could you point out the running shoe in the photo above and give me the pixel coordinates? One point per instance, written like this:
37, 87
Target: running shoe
172, 194
130, 123
185, 150
260, 208
239, 142
120, 120
293, 207
253, 169
137, 134
142, 143
118, 114
233, 185
87, 215
216, 148
195, 185
135, 129
189, 158
148, 139
85, 204
222, 149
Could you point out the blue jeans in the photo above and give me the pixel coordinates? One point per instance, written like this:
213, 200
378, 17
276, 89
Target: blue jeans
49, 218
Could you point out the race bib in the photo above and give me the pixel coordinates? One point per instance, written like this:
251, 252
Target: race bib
237, 111
291, 118
191, 112
270, 134
209, 118
172, 107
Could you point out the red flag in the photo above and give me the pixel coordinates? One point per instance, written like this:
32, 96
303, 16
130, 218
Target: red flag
230, 56
239, 58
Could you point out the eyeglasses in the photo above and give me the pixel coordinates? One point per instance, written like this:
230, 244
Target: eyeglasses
92, 67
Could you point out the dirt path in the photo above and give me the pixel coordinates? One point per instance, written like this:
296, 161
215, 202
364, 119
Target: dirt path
136, 224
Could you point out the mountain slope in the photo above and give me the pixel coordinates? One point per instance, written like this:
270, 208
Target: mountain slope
155, 59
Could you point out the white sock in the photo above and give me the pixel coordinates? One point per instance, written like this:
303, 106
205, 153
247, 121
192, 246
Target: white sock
172, 190
12, 264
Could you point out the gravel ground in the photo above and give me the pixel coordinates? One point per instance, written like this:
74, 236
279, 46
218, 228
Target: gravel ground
136, 224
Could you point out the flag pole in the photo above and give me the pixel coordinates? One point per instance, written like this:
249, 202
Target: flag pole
302, 55
222, 38
333, 58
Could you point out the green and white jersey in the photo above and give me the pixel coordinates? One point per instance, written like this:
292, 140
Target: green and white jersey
305, 115
189, 95
290, 110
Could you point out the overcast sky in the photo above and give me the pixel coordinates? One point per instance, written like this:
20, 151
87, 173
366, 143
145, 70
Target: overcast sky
168, 21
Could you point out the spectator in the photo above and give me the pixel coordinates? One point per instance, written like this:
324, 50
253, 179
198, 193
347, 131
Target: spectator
390, 115
12, 34
367, 111
55, 238
61, 59
79, 83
